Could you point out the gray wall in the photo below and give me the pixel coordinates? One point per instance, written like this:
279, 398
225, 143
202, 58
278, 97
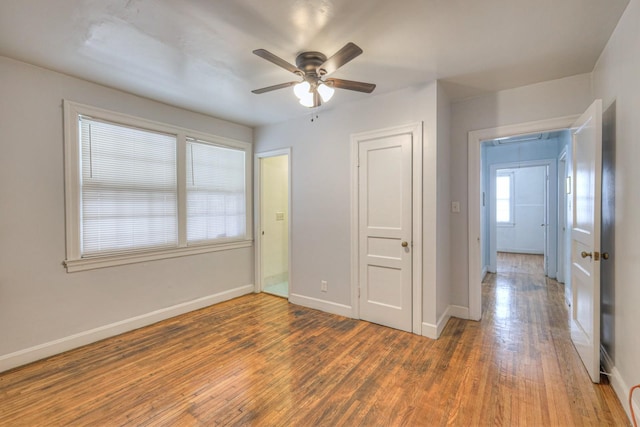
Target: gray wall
443, 244
39, 301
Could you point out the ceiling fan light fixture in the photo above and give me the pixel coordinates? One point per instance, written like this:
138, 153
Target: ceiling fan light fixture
325, 91
307, 100
303, 90
312, 67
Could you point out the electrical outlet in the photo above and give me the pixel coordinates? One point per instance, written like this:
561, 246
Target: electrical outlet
323, 285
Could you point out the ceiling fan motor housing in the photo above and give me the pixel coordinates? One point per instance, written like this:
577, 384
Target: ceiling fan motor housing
309, 63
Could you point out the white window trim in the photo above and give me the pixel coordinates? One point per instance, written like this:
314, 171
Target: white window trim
74, 261
512, 202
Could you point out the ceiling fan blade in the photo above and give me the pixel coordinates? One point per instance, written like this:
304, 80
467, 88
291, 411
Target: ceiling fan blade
341, 57
274, 87
351, 85
265, 54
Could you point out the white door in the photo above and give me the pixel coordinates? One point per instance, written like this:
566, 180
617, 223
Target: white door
384, 189
585, 238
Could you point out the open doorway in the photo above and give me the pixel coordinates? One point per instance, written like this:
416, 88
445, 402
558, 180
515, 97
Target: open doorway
519, 184
520, 213
273, 223
520, 216
583, 220
477, 200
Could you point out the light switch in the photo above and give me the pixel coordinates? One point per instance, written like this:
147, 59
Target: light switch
455, 207
279, 216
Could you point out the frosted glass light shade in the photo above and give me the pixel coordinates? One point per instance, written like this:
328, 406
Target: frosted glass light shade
301, 90
307, 100
307, 96
326, 92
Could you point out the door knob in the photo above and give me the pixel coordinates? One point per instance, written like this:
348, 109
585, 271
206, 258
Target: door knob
404, 244
605, 255
585, 254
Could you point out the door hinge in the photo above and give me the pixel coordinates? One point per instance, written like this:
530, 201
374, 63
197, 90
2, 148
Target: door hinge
358, 292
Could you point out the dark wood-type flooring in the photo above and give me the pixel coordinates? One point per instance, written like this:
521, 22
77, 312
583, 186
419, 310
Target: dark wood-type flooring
258, 360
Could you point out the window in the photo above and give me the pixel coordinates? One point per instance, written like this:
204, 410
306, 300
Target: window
504, 198
137, 190
128, 188
215, 192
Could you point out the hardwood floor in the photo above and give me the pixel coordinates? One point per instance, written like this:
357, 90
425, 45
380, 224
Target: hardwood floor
258, 360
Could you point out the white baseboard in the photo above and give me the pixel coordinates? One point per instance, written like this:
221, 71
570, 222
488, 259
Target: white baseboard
40, 351
620, 387
521, 251
459, 311
622, 391
432, 331
429, 330
322, 305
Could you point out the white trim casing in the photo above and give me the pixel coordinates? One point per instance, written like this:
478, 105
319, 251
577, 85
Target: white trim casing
132, 258
473, 188
31, 354
258, 213
416, 131
562, 216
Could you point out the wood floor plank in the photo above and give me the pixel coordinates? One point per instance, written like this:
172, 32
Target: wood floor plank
258, 360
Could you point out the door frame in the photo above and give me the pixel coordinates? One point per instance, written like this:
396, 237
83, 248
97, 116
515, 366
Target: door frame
257, 175
562, 214
493, 245
474, 242
415, 130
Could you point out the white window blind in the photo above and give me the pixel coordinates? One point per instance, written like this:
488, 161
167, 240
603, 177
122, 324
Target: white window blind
128, 188
216, 192
137, 190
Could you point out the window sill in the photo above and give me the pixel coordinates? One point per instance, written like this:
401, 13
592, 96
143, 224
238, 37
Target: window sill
133, 258
506, 224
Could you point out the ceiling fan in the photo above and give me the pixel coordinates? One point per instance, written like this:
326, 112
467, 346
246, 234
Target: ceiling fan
313, 67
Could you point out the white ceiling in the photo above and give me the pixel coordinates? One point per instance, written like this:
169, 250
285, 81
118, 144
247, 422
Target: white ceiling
196, 54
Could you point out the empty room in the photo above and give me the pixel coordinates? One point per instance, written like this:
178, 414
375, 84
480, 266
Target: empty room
322, 212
